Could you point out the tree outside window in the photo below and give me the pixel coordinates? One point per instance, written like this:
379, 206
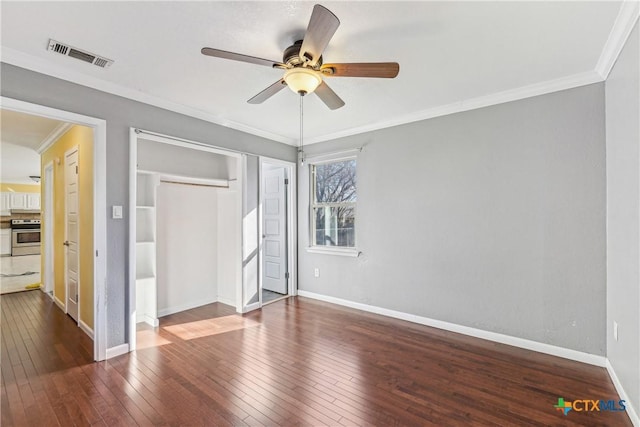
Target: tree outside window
334, 203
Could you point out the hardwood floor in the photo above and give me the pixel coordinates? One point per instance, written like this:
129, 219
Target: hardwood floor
296, 362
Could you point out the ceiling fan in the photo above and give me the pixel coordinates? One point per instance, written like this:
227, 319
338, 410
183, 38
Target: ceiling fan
303, 64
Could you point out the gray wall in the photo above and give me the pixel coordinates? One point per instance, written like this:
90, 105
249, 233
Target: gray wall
492, 218
120, 114
623, 217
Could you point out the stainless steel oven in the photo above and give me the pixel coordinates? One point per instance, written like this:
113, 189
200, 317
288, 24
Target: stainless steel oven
25, 237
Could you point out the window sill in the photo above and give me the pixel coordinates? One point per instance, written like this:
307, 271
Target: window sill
349, 252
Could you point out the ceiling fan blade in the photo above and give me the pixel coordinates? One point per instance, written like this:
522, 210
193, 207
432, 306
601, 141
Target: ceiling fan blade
239, 57
268, 92
322, 26
362, 69
328, 96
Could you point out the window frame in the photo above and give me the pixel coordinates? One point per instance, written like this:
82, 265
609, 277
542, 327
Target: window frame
322, 249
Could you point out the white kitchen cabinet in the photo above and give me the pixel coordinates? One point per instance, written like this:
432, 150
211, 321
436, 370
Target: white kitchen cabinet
5, 204
18, 200
5, 241
11, 200
33, 201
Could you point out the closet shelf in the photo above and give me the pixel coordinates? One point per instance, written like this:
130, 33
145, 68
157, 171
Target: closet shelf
145, 242
145, 207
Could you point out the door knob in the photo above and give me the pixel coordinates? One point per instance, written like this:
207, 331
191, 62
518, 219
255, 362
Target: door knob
66, 243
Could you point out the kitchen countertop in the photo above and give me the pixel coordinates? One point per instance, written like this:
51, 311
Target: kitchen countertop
5, 221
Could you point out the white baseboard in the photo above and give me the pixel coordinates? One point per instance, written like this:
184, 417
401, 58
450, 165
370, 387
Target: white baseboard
631, 412
60, 304
182, 307
117, 350
553, 350
87, 330
226, 301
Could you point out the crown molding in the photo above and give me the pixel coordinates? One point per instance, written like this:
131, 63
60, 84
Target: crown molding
42, 66
622, 27
563, 83
60, 130
19, 59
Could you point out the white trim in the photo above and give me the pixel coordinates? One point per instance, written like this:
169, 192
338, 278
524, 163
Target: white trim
631, 412
47, 205
622, 27
85, 328
30, 62
149, 321
117, 351
40, 65
248, 308
553, 350
186, 306
225, 301
99, 127
60, 304
331, 250
242, 206
133, 197
316, 159
185, 143
523, 92
55, 134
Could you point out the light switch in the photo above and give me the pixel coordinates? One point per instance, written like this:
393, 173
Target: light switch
116, 212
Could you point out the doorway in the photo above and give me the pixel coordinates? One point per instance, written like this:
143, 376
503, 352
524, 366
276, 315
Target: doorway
277, 230
185, 231
95, 326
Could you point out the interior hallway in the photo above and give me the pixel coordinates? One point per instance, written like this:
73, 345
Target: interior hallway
295, 362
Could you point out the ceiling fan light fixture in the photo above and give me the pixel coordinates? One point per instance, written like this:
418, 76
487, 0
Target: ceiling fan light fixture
302, 80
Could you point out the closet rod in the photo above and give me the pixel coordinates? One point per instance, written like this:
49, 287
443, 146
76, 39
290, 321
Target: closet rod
191, 183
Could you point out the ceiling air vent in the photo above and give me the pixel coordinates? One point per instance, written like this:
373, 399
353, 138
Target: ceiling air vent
82, 55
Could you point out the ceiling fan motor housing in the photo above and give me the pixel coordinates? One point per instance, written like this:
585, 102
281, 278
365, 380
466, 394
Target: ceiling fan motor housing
292, 56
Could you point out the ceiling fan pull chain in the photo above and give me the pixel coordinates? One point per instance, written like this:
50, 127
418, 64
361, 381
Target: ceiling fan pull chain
301, 150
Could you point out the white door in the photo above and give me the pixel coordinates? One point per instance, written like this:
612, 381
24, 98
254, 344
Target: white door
71, 240
274, 250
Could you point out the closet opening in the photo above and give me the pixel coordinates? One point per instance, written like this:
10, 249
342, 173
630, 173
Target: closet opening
186, 234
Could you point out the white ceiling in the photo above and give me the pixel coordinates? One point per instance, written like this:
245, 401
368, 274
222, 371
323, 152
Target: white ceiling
20, 135
449, 53
17, 163
25, 129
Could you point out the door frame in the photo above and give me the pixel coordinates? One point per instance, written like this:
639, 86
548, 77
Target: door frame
99, 127
292, 227
134, 134
47, 204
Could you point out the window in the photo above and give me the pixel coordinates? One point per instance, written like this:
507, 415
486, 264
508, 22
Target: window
333, 204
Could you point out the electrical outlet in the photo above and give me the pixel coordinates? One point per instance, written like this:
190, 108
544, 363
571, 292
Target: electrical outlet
316, 272
615, 330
